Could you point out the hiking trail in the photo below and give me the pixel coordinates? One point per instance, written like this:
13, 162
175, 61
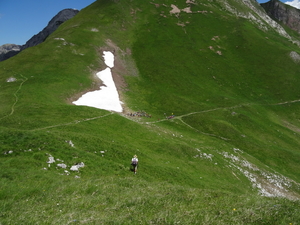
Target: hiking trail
16, 98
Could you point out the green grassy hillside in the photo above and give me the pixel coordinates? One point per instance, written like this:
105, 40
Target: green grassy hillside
229, 156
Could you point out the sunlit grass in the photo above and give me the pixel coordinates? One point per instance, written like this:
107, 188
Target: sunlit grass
238, 102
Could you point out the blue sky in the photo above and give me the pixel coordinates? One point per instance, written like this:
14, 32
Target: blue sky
21, 19
263, 1
295, 3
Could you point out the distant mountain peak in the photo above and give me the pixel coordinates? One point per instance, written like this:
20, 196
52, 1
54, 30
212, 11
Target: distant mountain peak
9, 50
54, 23
283, 13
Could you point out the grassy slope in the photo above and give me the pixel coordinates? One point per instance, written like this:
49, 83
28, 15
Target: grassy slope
233, 97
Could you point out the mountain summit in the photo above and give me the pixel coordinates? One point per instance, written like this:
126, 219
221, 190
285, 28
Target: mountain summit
9, 50
53, 24
283, 13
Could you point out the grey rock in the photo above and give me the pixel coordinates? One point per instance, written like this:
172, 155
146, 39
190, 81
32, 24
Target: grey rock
283, 13
62, 165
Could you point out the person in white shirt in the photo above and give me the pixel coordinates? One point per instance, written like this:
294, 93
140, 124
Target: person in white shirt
134, 163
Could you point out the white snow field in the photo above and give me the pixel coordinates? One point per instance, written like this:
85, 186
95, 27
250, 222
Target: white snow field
107, 97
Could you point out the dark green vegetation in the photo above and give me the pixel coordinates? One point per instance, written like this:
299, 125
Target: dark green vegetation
234, 140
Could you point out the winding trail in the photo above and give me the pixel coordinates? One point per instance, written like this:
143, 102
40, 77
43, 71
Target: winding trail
180, 118
211, 110
72, 123
16, 98
208, 134
162, 120
288, 102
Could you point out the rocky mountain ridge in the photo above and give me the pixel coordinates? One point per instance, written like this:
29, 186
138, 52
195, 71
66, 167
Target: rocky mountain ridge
283, 13
266, 16
9, 50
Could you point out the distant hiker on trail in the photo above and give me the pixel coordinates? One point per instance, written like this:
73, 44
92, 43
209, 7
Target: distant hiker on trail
134, 163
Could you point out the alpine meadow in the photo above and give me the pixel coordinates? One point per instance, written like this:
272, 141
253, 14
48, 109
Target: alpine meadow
211, 102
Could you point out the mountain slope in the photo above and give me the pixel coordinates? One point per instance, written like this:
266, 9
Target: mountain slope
230, 83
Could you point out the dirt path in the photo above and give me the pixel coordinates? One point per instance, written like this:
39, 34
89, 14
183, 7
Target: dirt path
206, 111
154, 122
16, 98
73, 122
288, 102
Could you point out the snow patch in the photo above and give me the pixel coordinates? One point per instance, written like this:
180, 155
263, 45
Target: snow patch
107, 97
108, 59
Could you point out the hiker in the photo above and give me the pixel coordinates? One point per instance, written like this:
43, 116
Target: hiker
134, 163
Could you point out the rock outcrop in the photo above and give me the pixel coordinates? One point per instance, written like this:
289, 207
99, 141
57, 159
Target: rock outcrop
283, 13
9, 50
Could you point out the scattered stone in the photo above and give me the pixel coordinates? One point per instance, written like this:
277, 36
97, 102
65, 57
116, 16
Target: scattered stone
181, 24
203, 155
74, 168
11, 79
187, 10
190, 2
51, 159
94, 30
268, 184
59, 39
237, 150
77, 166
71, 143
62, 165
214, 38
175, 10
